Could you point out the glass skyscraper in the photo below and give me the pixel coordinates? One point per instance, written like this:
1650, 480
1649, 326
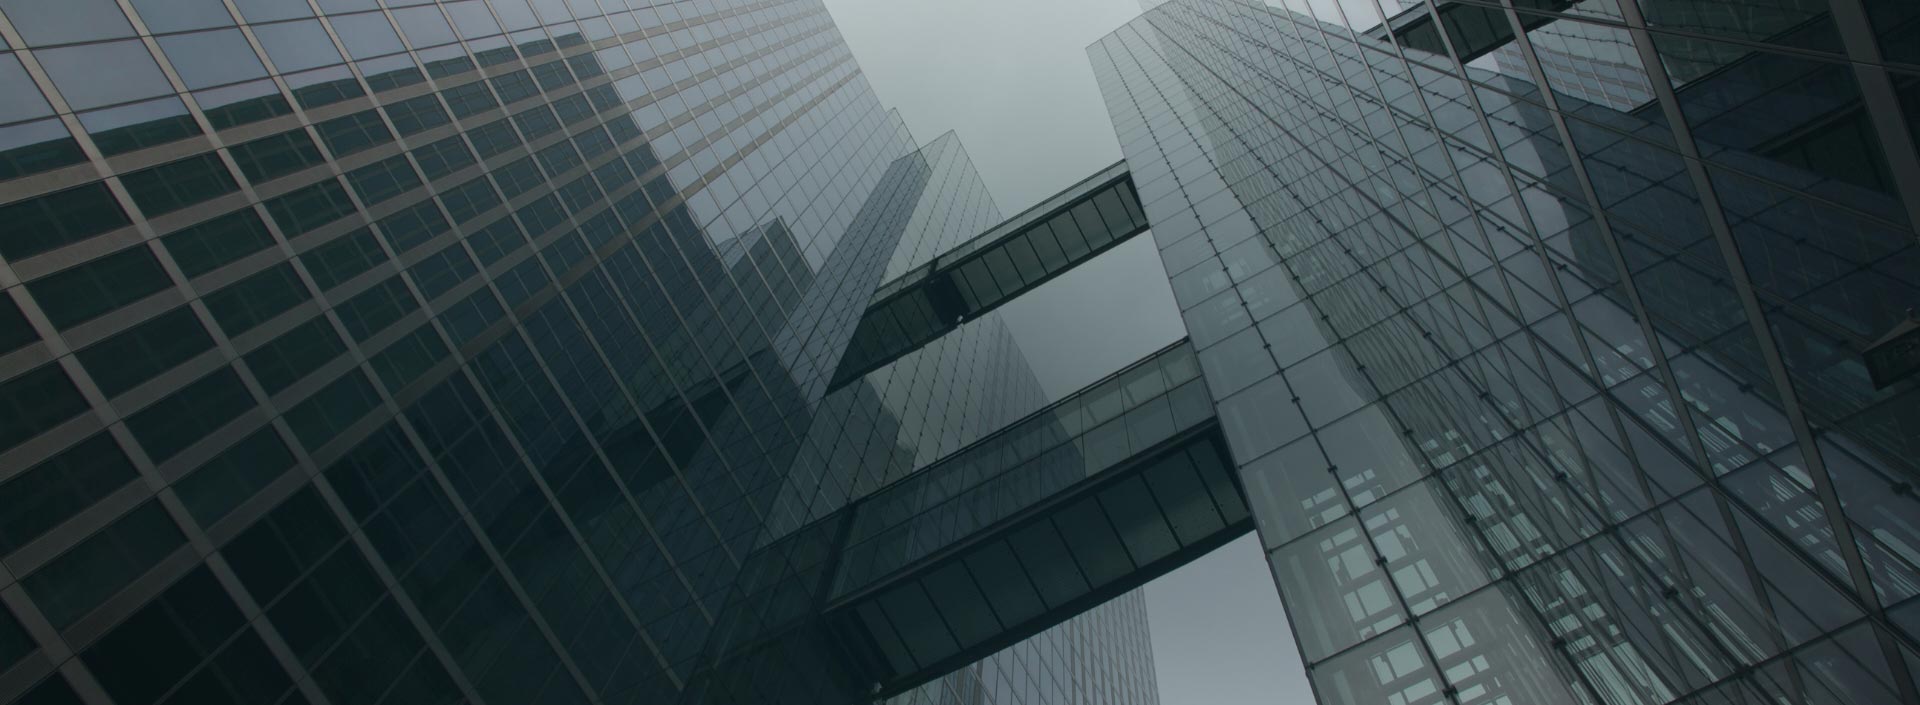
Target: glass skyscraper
457, 351
1541, 333
604, 351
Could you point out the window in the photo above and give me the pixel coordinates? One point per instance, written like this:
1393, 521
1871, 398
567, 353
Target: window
208, 59
177, 633
519, 177
251, 301
36, 401
144, 351
443, 157
437, 274
42, 23
515, 87
79, 294
176, 185
353, 133
470, 99
417, 114
343, 258
552, 76
559, 158
70, 586
470, 199
333, 408
536, 121
168, 426
59, 487
383, 180
573, 108
15, 332
406, 359
297, 46
75, 70
217, 486
374, 309
494, 138
295, 354
414, 226
304, 210
269, 158
59, 218
210, 245
494, 242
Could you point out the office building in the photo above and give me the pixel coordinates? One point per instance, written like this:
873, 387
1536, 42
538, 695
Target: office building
572, 351
453, 351
1541, 333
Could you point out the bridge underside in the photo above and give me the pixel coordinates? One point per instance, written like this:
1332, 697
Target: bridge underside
1006, 261
1073, 505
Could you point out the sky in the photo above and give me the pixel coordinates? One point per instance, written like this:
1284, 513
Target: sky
1011, 77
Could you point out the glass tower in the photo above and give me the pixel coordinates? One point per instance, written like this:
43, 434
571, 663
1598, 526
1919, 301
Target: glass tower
1541, 333
359, 351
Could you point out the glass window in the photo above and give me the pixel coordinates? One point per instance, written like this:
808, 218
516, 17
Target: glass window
293, 355
70, 586
414, 226
352, 133
144, 351
176, 185
127, 128
81, 293
366, 35
42, 23
207, 246
36, 401
1328, 386
216, 487
443, 157
417, 114
15, 332
324, 86
297, 46
233, 106
31, 148
56, 489
406, 359
343, 258
270, 10
251, 301
206, 59
1370, 457
1429, 553
1261, 419
383, 180
20, 99
333, 408
76, 72
1236, 362
302, 211
272, 157
182, 15
424, 26
472, 19
59, 218
470, 99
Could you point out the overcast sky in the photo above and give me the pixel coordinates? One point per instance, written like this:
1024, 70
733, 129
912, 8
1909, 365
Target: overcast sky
1012, 78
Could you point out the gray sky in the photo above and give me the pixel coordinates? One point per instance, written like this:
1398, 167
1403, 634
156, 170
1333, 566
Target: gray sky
1012, 78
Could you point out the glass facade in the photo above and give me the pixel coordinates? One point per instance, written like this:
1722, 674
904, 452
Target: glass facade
359, 351
1537, 332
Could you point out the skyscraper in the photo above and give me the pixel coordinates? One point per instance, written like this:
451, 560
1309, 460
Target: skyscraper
453, 351
1541, 332
507, 351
